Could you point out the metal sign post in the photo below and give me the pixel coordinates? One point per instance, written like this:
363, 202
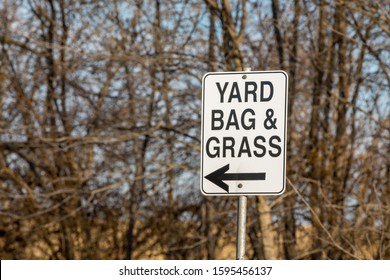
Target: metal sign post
244, 128
241, 227
241, 220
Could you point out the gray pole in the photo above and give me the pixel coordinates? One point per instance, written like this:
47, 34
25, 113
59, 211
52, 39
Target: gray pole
241, 221
241, 227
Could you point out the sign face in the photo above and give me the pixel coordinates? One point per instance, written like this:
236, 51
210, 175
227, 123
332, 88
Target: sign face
244, 131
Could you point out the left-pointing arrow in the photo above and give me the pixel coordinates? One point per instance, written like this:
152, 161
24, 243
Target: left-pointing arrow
218, 176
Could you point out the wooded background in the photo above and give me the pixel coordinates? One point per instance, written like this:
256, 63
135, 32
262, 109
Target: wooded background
100, 109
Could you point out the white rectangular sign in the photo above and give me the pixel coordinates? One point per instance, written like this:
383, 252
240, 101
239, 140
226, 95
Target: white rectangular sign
244, 131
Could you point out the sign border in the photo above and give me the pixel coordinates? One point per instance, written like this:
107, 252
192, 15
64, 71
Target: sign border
285, 133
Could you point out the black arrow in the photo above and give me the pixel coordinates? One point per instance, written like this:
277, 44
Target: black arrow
218, 176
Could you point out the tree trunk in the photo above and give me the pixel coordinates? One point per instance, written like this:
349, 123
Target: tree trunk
267, 234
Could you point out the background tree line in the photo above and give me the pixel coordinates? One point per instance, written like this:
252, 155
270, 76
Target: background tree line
100, 106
